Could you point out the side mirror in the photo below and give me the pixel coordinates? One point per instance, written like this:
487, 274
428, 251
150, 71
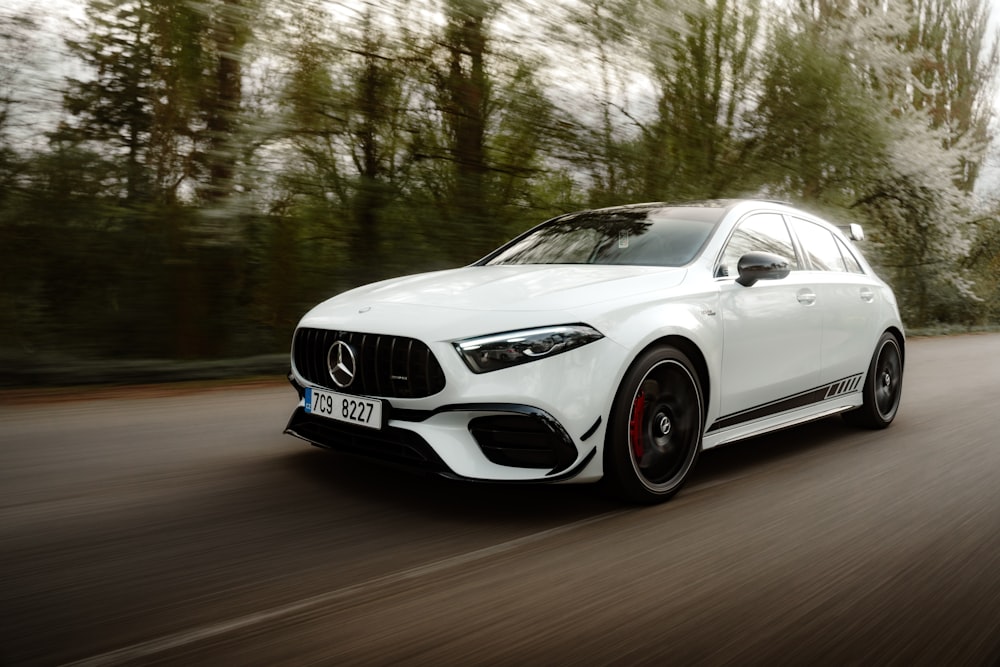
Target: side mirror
755, 266
853, 231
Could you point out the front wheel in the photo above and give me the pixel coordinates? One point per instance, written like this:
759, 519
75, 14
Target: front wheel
883, 386
655, 430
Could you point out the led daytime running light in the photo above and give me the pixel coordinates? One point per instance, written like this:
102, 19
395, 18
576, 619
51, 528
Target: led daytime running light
498, 351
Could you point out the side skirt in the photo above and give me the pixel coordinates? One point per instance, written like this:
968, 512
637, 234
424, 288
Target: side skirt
830, 399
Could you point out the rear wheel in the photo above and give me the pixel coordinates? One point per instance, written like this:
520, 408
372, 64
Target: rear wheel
883, 386
654, 434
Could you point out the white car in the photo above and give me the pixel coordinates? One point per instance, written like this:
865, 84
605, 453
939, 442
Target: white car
610, 344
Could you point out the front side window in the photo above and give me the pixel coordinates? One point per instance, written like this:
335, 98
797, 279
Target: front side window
762, 232
667, 236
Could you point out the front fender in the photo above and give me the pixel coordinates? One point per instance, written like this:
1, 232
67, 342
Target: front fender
696, 320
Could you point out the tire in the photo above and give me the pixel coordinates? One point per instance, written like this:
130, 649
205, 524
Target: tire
883, 386
655, 430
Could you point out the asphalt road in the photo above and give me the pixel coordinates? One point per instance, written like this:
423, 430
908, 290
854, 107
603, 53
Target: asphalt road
179, 526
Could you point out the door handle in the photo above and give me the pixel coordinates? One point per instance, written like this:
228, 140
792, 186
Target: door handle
867, 295
806, 296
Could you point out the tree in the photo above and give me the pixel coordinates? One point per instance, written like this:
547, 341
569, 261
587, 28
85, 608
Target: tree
464, 103
15, 47
161, 100
704, 66
602, 36
349, 97
165, 93
228, 31
489, 125
952, 74
820, 134
883, 125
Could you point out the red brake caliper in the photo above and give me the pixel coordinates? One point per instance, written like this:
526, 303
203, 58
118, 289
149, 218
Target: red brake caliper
635, 425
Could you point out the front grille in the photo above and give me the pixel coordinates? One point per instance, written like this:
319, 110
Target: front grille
390, 366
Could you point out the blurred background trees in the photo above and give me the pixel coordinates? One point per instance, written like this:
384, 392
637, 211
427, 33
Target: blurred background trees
207, 171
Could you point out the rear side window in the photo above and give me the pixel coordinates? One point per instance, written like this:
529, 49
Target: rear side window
762, 232
819, 245
825, 251
851, 262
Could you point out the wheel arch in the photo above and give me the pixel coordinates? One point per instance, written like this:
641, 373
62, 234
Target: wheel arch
621, 472
900, 340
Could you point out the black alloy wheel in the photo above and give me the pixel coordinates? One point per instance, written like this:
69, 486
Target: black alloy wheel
883, 386
655, 431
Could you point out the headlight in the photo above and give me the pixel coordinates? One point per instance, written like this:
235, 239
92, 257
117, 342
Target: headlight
491, 353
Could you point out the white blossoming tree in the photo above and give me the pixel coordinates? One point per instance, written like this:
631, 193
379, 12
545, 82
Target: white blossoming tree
880, 111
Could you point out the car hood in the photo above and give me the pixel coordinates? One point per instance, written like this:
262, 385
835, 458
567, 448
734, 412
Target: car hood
524, 294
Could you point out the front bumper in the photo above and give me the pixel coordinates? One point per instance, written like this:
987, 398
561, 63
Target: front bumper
501, 442
538, 422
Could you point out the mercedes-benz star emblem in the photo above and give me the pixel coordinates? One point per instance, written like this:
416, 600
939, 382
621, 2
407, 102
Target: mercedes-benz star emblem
341, 363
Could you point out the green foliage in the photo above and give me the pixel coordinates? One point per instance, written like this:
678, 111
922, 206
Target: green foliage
704, 71
954, 75
221, 165
163, 95
983, 262
820, 135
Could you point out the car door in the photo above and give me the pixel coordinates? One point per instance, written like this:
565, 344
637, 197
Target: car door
772, 329
846, 298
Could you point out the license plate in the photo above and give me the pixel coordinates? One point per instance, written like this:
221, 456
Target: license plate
343, 408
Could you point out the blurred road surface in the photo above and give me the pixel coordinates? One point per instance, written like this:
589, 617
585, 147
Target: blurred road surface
180, 527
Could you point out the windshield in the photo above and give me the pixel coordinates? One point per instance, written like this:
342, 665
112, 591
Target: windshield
670, 236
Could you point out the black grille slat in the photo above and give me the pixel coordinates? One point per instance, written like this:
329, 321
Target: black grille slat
317, 355
409, 369
319, 358
375, 359
394, 372
389, 366
427, 366
351, 340
302, 358
367, 373
392, 366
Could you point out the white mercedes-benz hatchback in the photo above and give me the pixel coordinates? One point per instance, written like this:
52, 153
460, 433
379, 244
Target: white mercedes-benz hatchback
610, 344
